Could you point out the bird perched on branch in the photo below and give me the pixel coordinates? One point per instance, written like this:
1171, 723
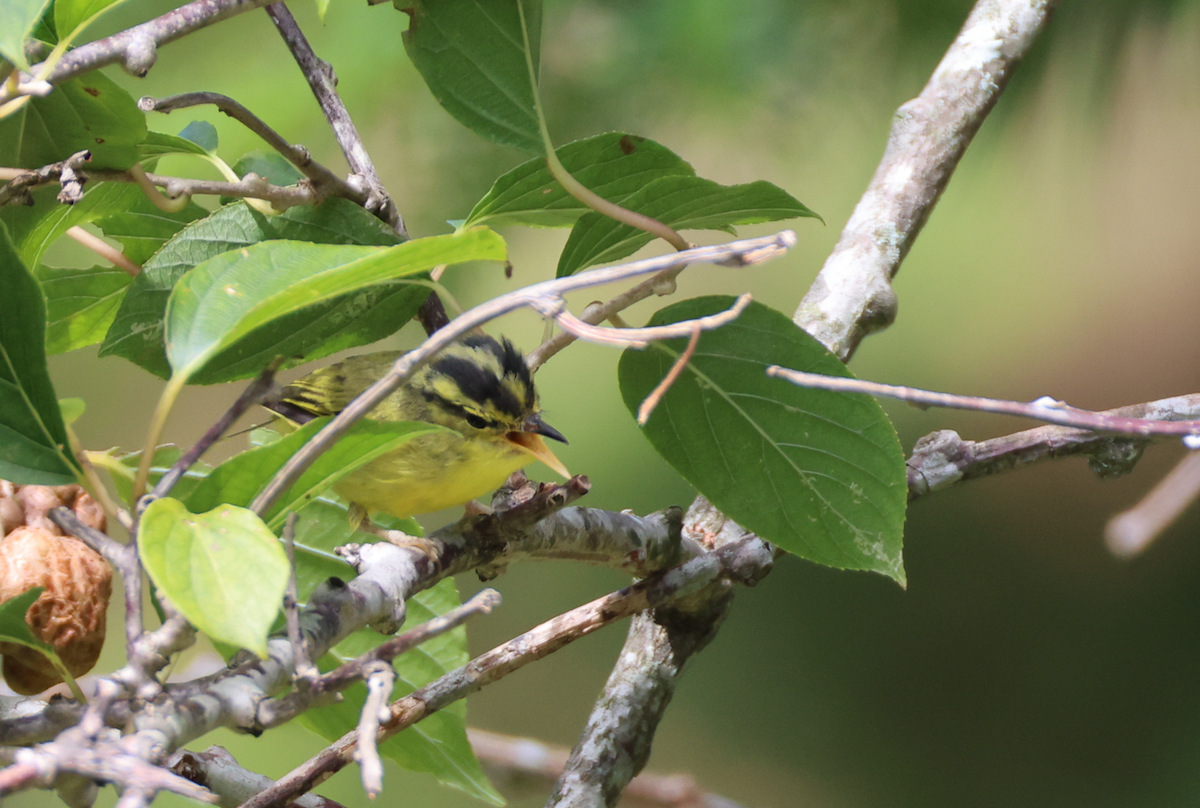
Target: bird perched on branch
479, 387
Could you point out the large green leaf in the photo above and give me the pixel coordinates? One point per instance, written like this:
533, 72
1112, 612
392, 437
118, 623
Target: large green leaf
680, 202
18, 18
614, 165
142, 228
239, 479
90, 112
33, 439
820, 474
473, 57
226, 298
354, 319
224, 570
438, 744
80, 304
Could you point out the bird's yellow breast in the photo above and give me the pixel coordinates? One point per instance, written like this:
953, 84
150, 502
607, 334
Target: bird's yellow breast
432, 472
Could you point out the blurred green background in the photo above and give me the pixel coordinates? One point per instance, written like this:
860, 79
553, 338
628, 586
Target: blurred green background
1024, 665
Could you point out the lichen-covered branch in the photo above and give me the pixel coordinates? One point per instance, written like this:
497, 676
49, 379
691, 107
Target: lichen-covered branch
853, 296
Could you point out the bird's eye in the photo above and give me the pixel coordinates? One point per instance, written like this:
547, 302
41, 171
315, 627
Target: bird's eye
475, 421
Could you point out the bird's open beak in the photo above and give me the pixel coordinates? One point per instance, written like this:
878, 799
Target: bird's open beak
529, 439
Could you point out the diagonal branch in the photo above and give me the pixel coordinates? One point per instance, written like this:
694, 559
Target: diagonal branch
136, 48
853, 295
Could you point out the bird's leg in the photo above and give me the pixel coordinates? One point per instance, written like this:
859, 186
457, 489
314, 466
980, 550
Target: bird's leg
360, 520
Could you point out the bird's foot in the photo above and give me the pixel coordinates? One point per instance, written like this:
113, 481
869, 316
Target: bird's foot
476, 508
360, 520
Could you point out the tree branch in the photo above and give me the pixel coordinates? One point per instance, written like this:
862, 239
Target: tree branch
853, 296
942, 458
135, 48
323, 82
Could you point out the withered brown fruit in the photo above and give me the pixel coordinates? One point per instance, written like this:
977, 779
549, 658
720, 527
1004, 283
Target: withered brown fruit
70, 614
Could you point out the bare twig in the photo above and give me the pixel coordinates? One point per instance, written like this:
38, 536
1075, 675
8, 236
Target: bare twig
1043, 409
656, 395
135, 48
545, 297
252, 395
250, 186
942, 458
305, 671
615, 744
218, 771
381, 677
853, 296
323, 83
324, 181
535, 644
510, 758
288, 707
1131, 532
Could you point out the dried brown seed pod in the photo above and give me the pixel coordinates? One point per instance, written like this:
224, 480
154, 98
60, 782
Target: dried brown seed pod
89, 511
12, 515
38, 501
70, 614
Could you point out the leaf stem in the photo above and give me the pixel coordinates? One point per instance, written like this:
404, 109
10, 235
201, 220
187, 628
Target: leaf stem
574, 187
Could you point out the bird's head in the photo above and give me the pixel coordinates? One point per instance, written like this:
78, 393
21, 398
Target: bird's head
482, 388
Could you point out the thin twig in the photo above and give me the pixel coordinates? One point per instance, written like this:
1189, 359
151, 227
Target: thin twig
942, 458
545, 297
381, 677
656, 395
853, 295
324, 180
1131, 532
305, 671
250, 186
293, 704
323, 83
252, 395
504, 659
221, 773
506, 757
1043, 409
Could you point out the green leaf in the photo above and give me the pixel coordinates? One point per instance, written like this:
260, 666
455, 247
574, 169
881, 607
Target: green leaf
271, 166
80, 304
227, 297
438, 744
158, 144
72, 409
14, 627
35, 229
72, 14
142, 228
238, 480
820, 474
614, 165
203, 134
682, 203
355, 319
123, 468
33, 438
473, 58
18, 18
224, 570
90, 112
